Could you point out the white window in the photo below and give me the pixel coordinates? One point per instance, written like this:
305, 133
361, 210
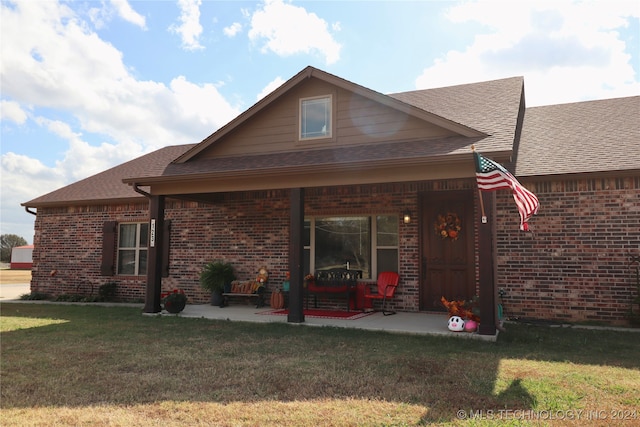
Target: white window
132, 248
315, 117
366, 243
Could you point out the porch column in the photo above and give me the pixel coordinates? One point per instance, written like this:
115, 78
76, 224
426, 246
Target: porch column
296, 256
488, 309
154, 255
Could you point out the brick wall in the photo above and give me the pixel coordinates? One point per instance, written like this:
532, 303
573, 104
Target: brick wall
68, 250
573, 266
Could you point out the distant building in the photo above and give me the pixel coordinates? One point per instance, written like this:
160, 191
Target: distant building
21, 257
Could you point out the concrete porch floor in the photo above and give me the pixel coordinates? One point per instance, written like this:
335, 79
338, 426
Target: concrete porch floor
401, 322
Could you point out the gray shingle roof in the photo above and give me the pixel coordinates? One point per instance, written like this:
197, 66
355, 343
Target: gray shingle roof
592, 136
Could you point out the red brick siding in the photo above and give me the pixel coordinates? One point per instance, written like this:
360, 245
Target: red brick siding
248, 230
573, 266
68, 250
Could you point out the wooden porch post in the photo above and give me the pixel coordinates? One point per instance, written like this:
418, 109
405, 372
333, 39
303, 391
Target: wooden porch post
296, 258
488, 309
154, 255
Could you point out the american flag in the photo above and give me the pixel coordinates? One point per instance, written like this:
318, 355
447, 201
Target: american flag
491, 176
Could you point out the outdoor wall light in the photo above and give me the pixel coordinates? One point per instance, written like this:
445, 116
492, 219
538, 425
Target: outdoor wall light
406, 217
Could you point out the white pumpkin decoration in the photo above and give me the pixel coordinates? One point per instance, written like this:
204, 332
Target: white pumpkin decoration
456, 324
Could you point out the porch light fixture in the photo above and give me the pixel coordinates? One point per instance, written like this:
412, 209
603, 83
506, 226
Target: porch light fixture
406, 217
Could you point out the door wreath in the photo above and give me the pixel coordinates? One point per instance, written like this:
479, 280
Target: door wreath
448, 226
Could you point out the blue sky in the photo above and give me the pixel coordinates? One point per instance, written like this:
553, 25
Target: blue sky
86, 85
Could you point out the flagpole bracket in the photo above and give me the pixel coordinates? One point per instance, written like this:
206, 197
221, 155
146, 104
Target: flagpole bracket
484, 219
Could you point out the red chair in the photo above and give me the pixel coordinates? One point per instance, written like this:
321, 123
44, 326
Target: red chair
387, 284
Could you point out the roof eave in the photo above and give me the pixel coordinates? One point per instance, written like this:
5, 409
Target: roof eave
330, 168
84, 202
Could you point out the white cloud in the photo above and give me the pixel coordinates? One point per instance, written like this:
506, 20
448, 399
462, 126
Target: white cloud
101, 15
82, 159
64, 66
12, 111
286, 30
55, 62
126, 12
233, 29
273, 85
566, 51
23, 179
189, 28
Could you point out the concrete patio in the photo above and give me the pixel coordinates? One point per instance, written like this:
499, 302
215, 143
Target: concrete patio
401, 322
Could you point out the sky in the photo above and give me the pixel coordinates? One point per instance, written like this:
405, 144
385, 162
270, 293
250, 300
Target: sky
87, 85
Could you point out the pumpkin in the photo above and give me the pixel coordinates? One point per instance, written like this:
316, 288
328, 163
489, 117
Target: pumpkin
277, 299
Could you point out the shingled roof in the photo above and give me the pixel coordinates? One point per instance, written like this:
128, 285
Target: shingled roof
108, 185
583, 137
491, 107
309, 72
594, 136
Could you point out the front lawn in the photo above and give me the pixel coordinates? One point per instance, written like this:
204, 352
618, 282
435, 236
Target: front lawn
75, 365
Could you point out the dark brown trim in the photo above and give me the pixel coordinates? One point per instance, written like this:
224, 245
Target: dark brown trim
296, 256
155, 255
107, 267
486, 267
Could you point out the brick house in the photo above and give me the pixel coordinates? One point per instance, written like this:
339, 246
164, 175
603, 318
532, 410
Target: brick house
322, 172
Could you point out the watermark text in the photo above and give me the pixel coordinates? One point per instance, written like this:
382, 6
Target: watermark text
532, 414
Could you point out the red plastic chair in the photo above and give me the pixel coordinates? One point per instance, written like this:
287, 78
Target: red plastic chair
387, 284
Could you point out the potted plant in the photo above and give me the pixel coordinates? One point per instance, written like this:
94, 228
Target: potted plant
174, 301
215, 275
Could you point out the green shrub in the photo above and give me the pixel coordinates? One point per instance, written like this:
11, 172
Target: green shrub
76, 298
33, 296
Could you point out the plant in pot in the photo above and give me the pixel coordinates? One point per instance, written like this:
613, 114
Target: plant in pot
174, 301
214, 277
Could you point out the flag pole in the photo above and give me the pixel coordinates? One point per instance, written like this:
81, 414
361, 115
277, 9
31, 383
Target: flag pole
484, 216
486, 262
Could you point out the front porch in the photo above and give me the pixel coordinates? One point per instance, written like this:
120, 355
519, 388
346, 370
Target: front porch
401, 322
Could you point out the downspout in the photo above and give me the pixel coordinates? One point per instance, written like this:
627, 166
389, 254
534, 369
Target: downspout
26, 208
138, 190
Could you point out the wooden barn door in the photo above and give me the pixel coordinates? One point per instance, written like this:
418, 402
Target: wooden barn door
447, 248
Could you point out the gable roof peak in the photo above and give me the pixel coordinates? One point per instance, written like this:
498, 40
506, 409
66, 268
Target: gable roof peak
312, 72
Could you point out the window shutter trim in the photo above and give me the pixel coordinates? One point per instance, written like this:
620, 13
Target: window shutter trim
107, 268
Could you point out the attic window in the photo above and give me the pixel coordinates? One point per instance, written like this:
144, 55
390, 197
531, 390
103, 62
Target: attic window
315, 117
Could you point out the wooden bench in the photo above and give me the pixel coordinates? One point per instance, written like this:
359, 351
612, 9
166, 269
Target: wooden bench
335, 281
245, 290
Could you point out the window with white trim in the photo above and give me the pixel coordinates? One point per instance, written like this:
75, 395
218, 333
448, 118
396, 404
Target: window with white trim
315, 117
366, 243
132, 248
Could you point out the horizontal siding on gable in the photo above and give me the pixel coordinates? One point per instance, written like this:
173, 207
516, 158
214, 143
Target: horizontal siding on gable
358, 121
362, 120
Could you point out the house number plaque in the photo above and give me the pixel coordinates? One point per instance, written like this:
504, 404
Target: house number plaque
152, 234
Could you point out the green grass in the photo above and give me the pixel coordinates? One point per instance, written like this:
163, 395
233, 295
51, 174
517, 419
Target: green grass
73, 365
